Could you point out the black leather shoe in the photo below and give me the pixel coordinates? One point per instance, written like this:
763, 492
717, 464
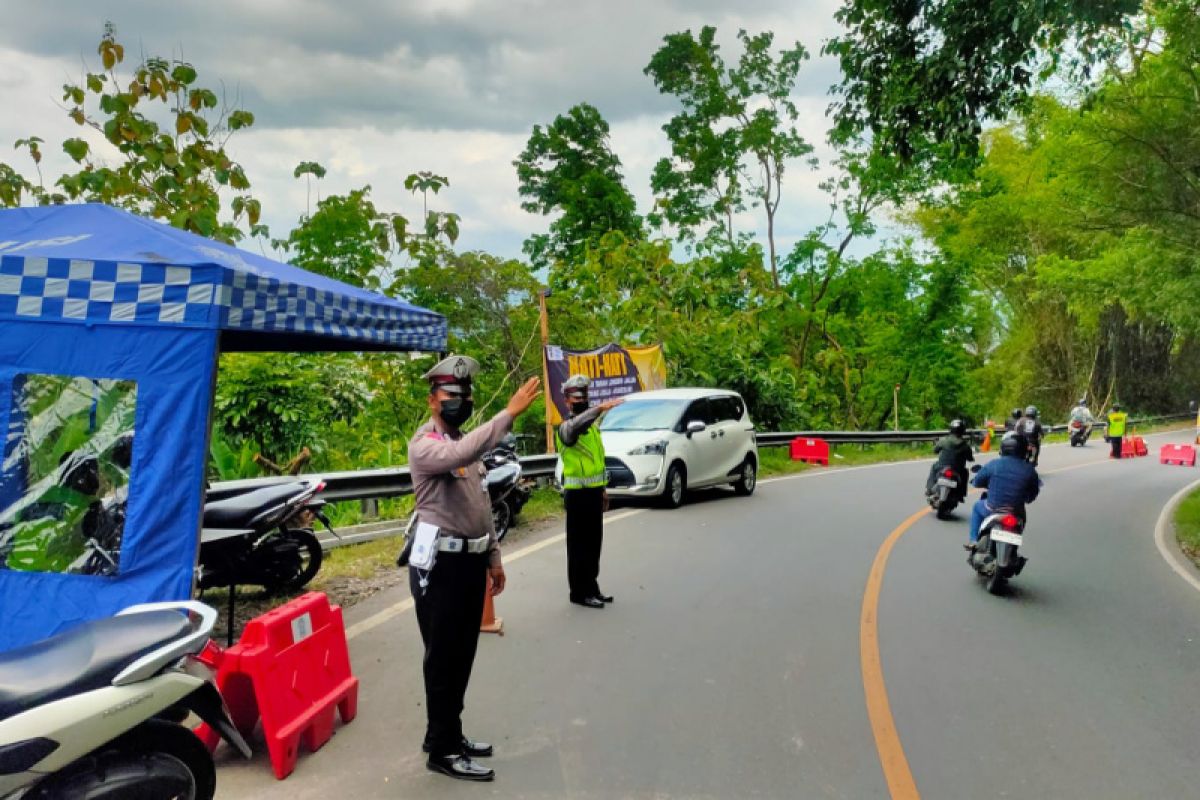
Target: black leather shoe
590, 602
604, 598
460, 767
469, 748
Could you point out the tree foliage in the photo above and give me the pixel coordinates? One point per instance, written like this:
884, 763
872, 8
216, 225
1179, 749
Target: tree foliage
921, 77
736, 134
568, 168
168, 134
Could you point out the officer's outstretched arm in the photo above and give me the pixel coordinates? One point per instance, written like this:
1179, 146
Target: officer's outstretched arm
434, 453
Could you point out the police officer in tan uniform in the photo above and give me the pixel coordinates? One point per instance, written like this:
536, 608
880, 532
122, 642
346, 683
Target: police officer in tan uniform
448, 486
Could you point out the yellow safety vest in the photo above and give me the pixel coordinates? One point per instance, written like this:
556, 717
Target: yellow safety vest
1116, 424
583, 462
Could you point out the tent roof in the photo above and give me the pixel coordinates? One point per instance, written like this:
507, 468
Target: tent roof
95, 264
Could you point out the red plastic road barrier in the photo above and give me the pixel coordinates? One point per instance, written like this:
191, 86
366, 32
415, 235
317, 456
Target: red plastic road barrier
1139, 446
1183, 455
1128, 449
810, 450
292, 669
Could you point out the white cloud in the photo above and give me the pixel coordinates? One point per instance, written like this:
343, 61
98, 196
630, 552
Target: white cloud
375, 89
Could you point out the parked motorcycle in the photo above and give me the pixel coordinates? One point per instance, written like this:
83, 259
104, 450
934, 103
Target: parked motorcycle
95, 712
946, 493
996, 556
1079, 432
264, 537
506, 487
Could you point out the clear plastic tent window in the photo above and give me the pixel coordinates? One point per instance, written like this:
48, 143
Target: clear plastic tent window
64, 475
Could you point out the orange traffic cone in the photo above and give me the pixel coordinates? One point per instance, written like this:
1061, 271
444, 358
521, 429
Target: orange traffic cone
987, 438
490, 623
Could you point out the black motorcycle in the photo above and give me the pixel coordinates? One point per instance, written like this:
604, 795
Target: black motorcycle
946, 492
996, 557
1080, 431
263, 538
506, 486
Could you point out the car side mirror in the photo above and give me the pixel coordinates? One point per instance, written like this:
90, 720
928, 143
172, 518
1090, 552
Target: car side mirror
695, 426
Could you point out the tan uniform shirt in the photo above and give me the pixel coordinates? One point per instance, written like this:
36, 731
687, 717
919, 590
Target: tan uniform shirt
447, 478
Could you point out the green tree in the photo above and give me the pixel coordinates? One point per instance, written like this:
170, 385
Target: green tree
347, 239
920, 77
170, 133
736, 133
568, 168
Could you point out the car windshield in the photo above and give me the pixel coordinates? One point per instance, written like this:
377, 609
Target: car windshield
643, 415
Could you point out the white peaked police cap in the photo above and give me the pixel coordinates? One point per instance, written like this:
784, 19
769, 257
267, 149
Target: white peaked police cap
576, 383
453, 372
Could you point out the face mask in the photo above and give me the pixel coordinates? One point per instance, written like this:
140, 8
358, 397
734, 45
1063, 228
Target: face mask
579, 406
456, 412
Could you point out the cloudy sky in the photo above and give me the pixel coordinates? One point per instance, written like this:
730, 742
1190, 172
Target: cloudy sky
377, 89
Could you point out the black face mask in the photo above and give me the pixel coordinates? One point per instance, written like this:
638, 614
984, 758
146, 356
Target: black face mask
579, 406
457, 411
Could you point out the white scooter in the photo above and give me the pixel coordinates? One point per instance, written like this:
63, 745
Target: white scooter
95, 712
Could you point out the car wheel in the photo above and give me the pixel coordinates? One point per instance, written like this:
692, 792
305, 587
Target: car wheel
676, 486
747, 479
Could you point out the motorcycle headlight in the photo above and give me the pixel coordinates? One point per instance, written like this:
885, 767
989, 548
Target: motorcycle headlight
655, 448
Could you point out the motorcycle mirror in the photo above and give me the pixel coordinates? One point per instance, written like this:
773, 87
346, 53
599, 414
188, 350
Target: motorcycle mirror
976, 468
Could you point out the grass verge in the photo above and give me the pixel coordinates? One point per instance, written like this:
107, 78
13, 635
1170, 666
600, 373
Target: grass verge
1187, 526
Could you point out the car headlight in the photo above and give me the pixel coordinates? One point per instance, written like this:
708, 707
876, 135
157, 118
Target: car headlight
655, 448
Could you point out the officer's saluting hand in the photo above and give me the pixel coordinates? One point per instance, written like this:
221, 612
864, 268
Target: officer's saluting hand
447, 477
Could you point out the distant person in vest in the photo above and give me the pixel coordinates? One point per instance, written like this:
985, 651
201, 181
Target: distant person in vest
1116, 429
447, 477
584, 495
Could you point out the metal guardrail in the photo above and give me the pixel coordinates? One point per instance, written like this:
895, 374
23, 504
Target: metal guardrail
396, 481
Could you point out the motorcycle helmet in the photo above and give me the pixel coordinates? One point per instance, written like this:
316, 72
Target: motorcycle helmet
1016, 413
1013, 444
1083, 401
1031, 412
958, 427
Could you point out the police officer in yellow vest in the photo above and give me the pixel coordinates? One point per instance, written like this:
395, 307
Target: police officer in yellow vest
584, 496
1116, 429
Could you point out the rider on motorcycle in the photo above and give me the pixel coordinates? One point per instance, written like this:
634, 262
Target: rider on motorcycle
954, 451
1031, 429
1012, 422
1082, 414
1011, 483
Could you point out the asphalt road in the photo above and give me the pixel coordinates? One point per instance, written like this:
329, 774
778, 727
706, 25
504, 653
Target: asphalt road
730, 664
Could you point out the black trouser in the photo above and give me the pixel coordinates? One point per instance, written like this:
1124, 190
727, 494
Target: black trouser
449, 611
1115, 441
585, 534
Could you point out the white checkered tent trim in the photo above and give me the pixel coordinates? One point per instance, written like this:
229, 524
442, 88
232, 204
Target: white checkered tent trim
202, 296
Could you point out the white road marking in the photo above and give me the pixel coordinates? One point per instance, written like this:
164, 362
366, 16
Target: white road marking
1170, 553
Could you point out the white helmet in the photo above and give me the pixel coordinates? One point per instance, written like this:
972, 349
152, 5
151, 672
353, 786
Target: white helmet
576, 382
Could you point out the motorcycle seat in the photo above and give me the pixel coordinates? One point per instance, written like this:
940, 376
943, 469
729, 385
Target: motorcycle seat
83, 658
239, 510
503, 474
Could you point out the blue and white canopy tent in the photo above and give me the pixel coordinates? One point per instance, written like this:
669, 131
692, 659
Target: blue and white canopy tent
110, 328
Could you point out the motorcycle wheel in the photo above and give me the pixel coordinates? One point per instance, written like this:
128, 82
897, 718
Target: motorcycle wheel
301, 567
995, 581
502, 517
154, 760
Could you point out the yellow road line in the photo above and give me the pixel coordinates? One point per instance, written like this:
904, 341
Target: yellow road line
896, 772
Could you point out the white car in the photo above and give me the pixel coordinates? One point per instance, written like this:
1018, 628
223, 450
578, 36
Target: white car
661, 443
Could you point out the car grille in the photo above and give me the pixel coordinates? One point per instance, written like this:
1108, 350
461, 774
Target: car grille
619, 475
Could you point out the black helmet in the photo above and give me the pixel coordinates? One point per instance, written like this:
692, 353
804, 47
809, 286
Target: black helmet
1013, 444
958, 427
1031, 412
1016, 413
1116, 406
